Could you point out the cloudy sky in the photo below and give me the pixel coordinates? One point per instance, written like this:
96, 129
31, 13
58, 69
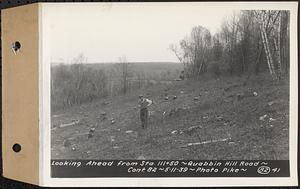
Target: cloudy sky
140, 31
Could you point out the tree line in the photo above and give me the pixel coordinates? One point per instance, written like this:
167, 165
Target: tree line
80, 82
247, 42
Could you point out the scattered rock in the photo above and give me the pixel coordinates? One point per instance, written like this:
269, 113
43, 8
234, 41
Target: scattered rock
219, 118
141, 157
112, 121
261, 118
205, 117
105, 103
73, 148
196, 98
112, 138
271, 103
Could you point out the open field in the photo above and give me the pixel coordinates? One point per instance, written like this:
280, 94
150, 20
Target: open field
210, 119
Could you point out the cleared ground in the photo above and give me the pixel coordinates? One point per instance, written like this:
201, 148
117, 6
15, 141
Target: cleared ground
209, 119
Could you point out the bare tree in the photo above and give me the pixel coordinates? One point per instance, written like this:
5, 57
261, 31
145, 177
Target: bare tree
194, 51
268, 19
124, 68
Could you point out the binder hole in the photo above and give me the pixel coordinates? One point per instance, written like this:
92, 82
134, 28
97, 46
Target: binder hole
16, 46
16, 147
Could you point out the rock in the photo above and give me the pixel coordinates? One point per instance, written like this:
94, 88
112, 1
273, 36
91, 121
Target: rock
141, 157
219, 118
271, 103
255, 93
115, 147
174, 97
174, 132
166, 98
205, 117
103, 113
231, 143
73, 148
92, 130
271, 119
129, 131
261, 118
105, 103
112, 138
181, 92
112, 121
196, 98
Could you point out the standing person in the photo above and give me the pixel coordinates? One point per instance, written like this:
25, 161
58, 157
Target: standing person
144, 103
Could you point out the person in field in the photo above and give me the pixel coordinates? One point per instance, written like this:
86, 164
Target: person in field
144, 103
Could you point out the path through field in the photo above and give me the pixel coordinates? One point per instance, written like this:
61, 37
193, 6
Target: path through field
208, 119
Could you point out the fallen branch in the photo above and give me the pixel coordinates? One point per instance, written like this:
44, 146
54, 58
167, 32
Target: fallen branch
205, 142
69, 124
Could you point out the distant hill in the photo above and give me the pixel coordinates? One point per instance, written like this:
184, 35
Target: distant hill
146, 67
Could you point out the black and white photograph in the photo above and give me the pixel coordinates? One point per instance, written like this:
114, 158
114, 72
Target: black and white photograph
169, 81
208, 84
150, 94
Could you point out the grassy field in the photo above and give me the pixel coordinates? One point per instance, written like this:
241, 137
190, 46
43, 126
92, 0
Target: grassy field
210, 119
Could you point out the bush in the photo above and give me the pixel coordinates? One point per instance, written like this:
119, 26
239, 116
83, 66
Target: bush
214, 68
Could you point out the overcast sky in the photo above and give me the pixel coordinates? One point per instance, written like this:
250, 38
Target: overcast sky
141, 32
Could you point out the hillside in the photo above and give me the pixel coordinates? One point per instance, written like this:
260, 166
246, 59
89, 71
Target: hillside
209, 119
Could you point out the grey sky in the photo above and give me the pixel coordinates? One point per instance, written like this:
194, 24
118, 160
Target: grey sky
141, 32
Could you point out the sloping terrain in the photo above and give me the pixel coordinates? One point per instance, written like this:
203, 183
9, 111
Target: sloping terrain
208, 119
